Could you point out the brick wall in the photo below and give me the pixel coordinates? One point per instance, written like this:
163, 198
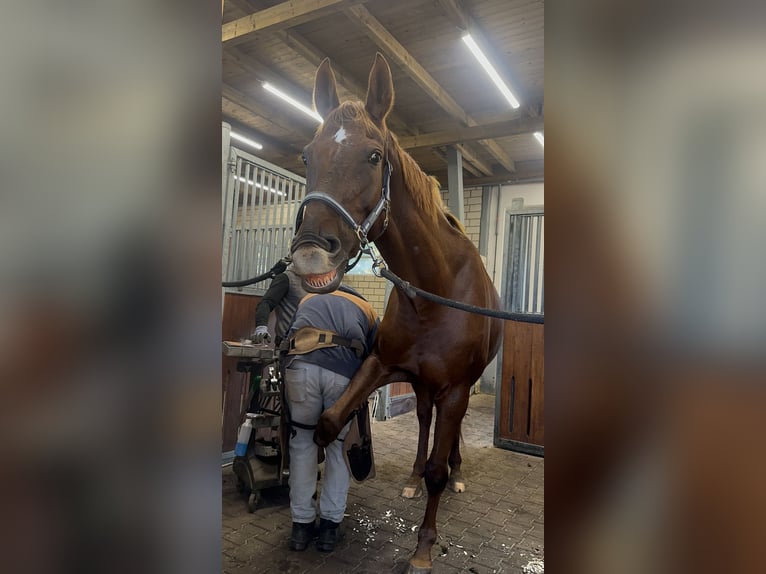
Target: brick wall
370, 287
472, 208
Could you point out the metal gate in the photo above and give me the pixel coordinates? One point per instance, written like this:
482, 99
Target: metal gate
524, 290
519, 406
260, 201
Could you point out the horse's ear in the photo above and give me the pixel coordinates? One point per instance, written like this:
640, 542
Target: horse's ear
380, 90
325, 89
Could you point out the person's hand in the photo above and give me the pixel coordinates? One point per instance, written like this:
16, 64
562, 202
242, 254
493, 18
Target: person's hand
261, 335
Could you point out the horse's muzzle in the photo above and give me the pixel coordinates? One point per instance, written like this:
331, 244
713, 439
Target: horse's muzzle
310, 238
319, 261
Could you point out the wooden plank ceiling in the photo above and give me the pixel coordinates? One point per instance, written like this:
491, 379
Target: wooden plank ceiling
443, 97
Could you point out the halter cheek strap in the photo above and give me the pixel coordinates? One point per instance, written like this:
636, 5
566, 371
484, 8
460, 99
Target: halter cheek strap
361, 229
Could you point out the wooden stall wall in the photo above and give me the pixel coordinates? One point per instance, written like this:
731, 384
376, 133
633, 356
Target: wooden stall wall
238, 321
519, 417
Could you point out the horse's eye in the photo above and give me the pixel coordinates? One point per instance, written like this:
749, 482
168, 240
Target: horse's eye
305, 159
375, 158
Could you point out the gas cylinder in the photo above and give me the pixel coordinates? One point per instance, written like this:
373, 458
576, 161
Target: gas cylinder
243, 437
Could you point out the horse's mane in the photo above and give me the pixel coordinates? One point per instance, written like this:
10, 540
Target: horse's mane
423, 189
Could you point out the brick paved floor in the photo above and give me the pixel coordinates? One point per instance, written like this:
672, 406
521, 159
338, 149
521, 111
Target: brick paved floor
496, 525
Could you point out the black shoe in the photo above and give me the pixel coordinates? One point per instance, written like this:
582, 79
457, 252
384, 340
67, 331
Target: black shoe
329, 534
302, 534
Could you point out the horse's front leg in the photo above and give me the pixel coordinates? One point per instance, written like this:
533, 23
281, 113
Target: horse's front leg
413, 486
449, 413
371, 375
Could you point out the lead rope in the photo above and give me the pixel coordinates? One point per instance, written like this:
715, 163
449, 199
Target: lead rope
380, 269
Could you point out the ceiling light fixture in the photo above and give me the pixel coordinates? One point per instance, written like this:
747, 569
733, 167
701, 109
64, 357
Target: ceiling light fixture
295, 103
489, 68
245, 140
539, 137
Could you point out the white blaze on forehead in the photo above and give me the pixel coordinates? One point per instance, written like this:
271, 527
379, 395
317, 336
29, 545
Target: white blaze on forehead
340, 135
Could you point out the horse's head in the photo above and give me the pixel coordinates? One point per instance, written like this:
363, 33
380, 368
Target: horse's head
347, 174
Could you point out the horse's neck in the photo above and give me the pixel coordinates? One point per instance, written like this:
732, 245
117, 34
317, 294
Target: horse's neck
414, 245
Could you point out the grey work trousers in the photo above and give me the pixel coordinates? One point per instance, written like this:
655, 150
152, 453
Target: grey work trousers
310, 390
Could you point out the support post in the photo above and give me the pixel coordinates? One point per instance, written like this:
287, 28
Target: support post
455, 183
225, 151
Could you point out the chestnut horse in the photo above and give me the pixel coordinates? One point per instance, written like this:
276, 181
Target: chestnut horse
361, 181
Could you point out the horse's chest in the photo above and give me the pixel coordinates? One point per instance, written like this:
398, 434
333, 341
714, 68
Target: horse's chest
431, 353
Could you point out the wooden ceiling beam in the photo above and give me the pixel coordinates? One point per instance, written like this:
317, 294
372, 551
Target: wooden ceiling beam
391, 46
464, 21
271, 144
462, 135
286, 14
245, 117
261, 73
520, 176
498, 153
468, 155
439, 152
312, 54
281, 120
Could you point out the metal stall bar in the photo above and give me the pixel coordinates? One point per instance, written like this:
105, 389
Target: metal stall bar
524, 225
244, 211
538, 258
528, 263
226, 227
286, 187
268, 225
260, 228
515, 253
234, 206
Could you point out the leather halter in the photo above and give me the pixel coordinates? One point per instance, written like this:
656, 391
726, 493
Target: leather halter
361, 229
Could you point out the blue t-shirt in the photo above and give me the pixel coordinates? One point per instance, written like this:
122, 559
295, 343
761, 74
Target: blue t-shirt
346, 315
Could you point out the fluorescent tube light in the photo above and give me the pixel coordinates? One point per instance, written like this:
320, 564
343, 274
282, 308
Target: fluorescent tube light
295, 103
539, 137
474, 47
245, 140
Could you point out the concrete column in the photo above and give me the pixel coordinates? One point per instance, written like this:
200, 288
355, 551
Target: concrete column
486, 200
455, 183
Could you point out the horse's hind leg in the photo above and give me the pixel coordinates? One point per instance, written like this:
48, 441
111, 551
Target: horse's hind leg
456, 482
413, 486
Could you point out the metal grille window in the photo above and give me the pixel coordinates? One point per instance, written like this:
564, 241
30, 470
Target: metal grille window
525, 255
259, 206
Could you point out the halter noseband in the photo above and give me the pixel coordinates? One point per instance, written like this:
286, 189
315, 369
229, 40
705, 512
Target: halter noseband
362, 229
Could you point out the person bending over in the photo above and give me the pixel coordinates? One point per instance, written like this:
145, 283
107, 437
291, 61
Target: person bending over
329, 338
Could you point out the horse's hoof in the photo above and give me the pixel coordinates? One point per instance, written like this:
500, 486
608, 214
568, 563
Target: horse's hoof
414, 569
412, 491
456, 485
